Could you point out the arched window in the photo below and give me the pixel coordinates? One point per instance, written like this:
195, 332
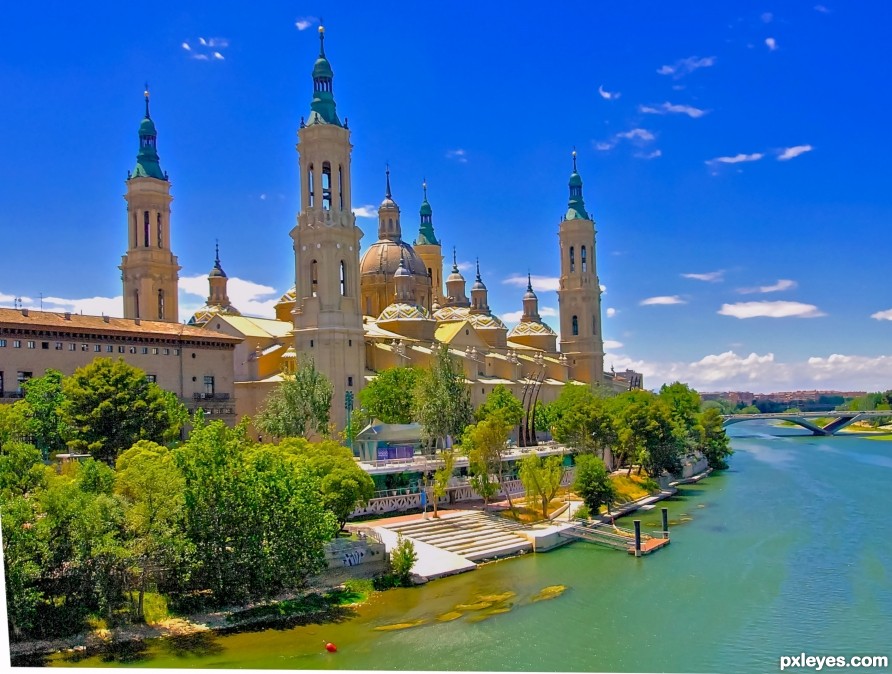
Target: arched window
135, 242
160, 305
145, 223
159, 237
311, 194
390, 224
326, 186
575, 326
572, 259
343, 279
584, 259
341, 187
594, 326
136, 302
314, 279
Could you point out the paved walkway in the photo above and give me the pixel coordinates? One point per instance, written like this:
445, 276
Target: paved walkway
433, 562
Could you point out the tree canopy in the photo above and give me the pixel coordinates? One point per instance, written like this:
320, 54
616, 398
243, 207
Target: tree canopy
442, 401
388, 396
299, 405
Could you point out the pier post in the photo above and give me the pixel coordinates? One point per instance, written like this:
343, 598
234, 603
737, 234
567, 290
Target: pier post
637, 538
665, 523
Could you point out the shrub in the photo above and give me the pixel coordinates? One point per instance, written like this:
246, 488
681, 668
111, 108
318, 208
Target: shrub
403, 558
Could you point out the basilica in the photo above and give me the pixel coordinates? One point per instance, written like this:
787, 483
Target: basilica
357, 311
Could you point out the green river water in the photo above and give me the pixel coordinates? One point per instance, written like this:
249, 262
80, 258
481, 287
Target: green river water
788, 552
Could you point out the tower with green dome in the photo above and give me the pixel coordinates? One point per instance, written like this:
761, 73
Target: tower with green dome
579, 294
149, 270
429, 249
327, 314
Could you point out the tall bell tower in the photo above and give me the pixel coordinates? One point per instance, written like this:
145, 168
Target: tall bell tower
149, 270
327, 314
579, 294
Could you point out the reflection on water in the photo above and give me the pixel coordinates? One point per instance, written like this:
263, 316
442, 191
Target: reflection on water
784, 553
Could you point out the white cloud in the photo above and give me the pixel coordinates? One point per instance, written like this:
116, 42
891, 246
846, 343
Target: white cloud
735, 159
649, 155
458, 155
186, 46
822, 9
767, 17
603, 146
795, 151
771, 43
512, 316
251, 299
672, 108
763, 373
367, 211
710, 276
541, 283
685, 66
662, 300
611, 312
776, 309
205, 49
782, 284
612, 344
263, 197
608, 95
218, 56
637, 134
880, 315
304, 22
548, 311
90, 306
465, 266
201, 57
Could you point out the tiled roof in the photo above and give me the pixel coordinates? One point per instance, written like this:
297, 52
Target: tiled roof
63, 322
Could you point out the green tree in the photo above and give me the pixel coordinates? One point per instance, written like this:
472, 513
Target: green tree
503, 403
749, 409
152, 489
110, 405
541, 479
646, 433
442, 401
387, 397
714, 442
343, 485
587, 425
442, 476
14, 423
299, 405
43, 407
403, 558
486, 443
593, 483
571, 396
21, 469
23, 553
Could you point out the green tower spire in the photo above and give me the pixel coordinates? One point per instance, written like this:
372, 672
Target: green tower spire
426, 236
322, 108
147, 165
576, 207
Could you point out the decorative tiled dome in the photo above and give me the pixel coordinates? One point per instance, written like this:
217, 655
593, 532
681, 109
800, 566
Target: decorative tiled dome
290, 296
401, 311
530, 328
479, 321
206, 313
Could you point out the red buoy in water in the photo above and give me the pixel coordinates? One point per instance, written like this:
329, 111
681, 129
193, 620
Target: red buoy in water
330, 647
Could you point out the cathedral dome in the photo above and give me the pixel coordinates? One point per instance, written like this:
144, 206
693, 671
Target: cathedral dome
401, 311
384, 257
530, 328
288, 297
207, 312
479, 321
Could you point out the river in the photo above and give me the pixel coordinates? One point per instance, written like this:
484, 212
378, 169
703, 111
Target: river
787, 552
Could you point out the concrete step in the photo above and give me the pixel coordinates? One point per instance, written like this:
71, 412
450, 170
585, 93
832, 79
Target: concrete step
498, 551
470, 547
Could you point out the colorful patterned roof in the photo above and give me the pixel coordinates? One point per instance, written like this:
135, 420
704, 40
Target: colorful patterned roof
479, 321
530, 328
290, 296
401, 311
206, 313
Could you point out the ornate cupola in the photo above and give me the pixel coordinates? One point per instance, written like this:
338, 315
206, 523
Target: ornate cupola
455, 286
389, 215
322, 107
576, 207
218, 298
530, 303
479, 303
429, 250
147, 161
404, 283
426, 236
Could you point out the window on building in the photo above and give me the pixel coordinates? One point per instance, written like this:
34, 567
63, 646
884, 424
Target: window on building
341, 187
160, 305
31, 344
145, 351
572, 259
85, 347
145, 223
575, 325
135, 241
16, 344
311, 343
583, 259
326, 186
343, 279
594, 326
109, 348
350, 381
72, 346
314, 278
97, 348
44, 345
132, 349
176, 352
58, 346
21, 379
154, 350
152, 379
2, 343
136, 302
209, 385
166, 352
1, 384
311, 196
158, 233
121, 349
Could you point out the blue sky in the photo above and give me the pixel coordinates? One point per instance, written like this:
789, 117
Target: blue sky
734, 157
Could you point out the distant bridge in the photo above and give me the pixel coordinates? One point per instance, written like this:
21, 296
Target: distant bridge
839, 419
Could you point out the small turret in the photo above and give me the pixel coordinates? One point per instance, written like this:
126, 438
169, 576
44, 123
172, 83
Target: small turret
147, 162
389, 215
576, 207
455, 286
426, 236
322, 107
479, 303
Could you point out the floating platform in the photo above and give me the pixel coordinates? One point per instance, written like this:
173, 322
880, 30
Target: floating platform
650, 545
